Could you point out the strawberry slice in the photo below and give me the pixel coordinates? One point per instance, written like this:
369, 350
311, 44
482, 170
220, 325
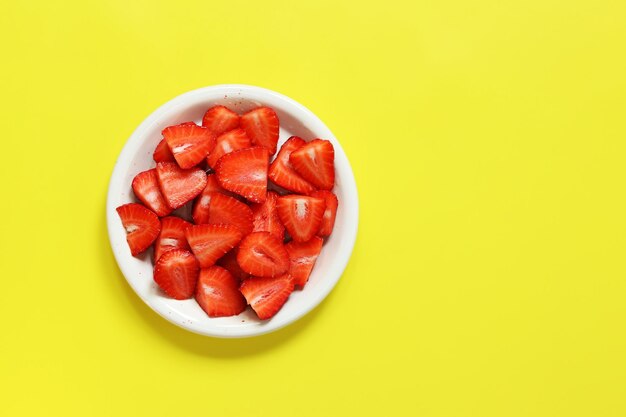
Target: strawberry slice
227, 142
162, 153
217, 208
282, 173
266, 296
172, 236
142, 226
176, 272
218, 293
302, 257
301, 215
328, 220
212, 186
146, 188
229, 262
265, 217
189, 143
219, 119
179, 185
263, 255
209, 242
261, 126
315, 162
245, 172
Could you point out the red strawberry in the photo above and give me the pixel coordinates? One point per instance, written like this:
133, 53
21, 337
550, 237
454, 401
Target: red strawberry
227, 142
179, 185
218, 293
172, 236
263, 255
267, 295
229, 262
315, 162
219, 119
162, 153
142, 226
328, 220
146, 188
176, 272
209, 242
261, 126
189, 143
302, 257
245, 172
282, 173
217, 208
202, 201
301, 215
265, 217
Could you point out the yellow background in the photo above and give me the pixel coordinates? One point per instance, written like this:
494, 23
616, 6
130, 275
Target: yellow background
487, 138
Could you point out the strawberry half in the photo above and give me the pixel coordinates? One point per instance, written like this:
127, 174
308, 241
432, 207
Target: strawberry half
302, 257
189, 143
244, 172
265, 217
261, 126
217, 208
282, 173
218, 293
263, 255
209, 242
146, 188
266, 296
229, 262
227, 142
162, 153
179, 185
176, 272
172, 236
219, 119
142, 226
301, 215
328, 220
315, 162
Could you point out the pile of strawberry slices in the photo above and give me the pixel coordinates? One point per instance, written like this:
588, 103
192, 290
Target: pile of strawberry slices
256, 227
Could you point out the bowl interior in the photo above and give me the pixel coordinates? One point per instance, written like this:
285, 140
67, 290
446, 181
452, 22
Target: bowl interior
137, 156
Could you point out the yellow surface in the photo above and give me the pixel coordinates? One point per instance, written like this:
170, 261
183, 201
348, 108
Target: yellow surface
488, 142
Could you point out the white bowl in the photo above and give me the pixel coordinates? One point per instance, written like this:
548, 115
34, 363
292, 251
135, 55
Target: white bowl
295, 119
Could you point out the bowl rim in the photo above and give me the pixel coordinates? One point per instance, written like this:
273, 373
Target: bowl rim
314, 123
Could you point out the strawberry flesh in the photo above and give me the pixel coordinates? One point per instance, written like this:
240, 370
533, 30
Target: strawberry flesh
262, 127
244, 172
315, 162
142, 226
146, 188
328, 219
227, 142
172, 236
265, 217
176, 272
217, 208
263, 255
179, 185
209, 242
218, 293
301, 215
282, 173
219, 119
162, 153
266, 295
302, 257
189, 143
229, 262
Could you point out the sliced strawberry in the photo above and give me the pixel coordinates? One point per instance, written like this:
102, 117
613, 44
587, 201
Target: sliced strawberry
266, 296
189, 143
229, 262
179, 185
263, 255
245, 172
218, 293
261, 126
227, 142
217, 208
219, 119
315, 162
176, 272
301, 215
146, 188
328, 220
265, 217
209, 242
201, 205
302, 257
162, 153
142, 226
172, 236
282, 173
